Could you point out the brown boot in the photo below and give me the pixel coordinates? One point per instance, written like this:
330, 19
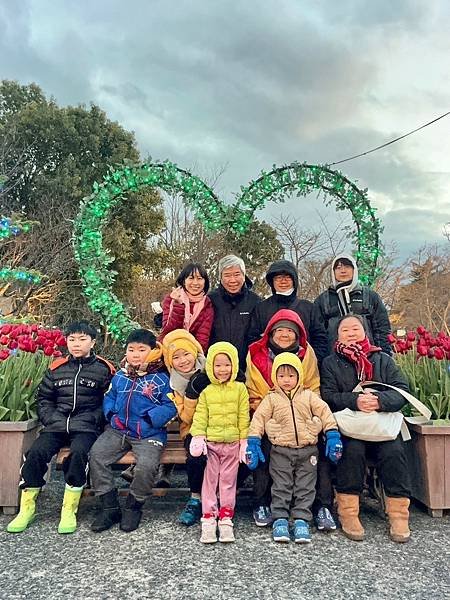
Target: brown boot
348, 511
398, 513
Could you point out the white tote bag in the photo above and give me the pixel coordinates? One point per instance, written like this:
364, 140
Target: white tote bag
377, 426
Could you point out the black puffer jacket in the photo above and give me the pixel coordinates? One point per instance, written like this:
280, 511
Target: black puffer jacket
338, 377
364, 302
232, 314
70, 396
306, 310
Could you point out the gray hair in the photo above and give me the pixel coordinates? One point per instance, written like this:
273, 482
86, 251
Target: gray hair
231, 261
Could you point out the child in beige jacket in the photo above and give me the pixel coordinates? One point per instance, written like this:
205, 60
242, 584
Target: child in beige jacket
293, 456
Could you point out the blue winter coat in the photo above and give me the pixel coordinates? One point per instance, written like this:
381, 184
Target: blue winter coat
139, 406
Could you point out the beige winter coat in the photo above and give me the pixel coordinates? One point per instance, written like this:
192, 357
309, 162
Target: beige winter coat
291, 410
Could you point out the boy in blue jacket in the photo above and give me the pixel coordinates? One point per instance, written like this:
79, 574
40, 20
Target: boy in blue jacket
138, 410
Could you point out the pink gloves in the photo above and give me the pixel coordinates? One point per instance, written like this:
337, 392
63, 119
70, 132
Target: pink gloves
197, 447
242, 451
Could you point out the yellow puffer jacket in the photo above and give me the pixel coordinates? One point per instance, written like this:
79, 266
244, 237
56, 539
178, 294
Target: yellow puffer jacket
186, 409
291, 410
222, 413
258, 388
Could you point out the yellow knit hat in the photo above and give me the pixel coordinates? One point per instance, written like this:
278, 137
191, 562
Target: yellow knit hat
179, 339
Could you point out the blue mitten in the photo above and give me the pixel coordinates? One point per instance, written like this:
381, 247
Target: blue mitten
333, 448
254, 452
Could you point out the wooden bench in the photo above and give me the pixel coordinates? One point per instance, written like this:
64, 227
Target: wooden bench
173, 454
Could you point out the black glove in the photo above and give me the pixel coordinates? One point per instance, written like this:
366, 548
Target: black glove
240, 376
196, 385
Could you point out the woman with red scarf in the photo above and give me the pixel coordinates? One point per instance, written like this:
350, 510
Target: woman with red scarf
356, 360
188, 307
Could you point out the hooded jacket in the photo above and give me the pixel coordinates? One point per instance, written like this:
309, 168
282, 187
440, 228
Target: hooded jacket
70, 396
185, 406
139, 406
222, 413
259, 360
232, 313
291, 410
306, 310
352, 297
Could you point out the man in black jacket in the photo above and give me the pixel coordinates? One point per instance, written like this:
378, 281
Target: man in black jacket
282, 278
347, 296
234, 303
70, 400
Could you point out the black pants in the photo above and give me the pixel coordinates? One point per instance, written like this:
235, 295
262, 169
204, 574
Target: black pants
390, 461
195, 468
326, 473
75, 466
262, 481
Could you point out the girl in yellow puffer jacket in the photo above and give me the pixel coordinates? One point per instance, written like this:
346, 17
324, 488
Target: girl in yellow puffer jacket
219, 430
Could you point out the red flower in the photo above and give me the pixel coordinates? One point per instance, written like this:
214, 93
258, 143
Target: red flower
4, 339
439, 354
421, 330
48, 350
57, 353
391, 338
5, 329
12, 344
34, 328
61, 341
4, 354
422, 350
411, 336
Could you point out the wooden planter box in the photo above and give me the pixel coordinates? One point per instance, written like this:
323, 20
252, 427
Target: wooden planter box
429, 461
15, 440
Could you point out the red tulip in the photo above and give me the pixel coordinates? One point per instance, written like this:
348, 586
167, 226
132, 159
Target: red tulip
57, 353
421, 330
5, 329
4, 339
61, 341
34, 328
411, 336
48, 350
391, 338
422, 350
4, 354
439, 354
13, 344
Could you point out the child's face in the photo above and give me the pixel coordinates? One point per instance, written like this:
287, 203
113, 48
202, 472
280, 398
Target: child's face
183, 361
287, 379
222, 367
137, 353
80, 344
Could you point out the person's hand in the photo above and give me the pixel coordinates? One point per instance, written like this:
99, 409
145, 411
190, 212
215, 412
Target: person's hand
243, 451
176, 295
196, 385
333, 448
368, 402
254, 452
314, 426
272, 428
197, 447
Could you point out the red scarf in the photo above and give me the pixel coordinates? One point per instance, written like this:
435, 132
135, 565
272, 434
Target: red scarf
357, 353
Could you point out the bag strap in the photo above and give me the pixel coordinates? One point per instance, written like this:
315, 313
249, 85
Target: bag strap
418, 405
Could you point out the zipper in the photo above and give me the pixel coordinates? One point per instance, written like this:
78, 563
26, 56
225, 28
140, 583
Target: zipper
74, 396
293, 418
127, 407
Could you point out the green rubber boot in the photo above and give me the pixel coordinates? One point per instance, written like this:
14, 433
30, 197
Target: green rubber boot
68, 522
27, 511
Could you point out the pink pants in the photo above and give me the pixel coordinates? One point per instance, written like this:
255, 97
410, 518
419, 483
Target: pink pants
221, 470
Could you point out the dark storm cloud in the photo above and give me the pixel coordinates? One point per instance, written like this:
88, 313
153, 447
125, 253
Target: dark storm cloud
244, 83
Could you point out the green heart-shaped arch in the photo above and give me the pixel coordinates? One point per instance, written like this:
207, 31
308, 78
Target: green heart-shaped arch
97, 278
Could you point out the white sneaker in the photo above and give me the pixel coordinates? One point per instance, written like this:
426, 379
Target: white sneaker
209, 531
226, 533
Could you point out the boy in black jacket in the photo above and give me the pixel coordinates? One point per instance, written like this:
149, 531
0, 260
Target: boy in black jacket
70, 399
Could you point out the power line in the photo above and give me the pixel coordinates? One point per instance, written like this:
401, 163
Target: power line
389, 143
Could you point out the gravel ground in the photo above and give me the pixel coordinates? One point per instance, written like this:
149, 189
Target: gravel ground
164, 561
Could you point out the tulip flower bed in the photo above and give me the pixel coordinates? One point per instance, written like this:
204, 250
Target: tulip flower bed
25, 353
425, 361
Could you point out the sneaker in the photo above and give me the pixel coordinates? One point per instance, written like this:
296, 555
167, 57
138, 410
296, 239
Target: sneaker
302, 534
191, 513
209, 531
280, 531
324, 520
225, 530
262, 516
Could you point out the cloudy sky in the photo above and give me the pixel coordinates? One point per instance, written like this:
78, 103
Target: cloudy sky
250, 84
